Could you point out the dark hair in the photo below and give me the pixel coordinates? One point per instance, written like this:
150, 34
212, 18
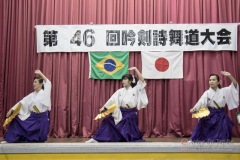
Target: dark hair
40, 80
219, 86
130, 78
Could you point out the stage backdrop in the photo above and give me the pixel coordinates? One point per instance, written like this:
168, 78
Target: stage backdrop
76, 99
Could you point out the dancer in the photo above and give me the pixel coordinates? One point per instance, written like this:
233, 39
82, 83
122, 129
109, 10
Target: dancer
217, 126
122, 124
31, 123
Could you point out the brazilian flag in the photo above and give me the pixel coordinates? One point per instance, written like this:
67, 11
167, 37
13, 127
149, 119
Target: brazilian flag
108, 65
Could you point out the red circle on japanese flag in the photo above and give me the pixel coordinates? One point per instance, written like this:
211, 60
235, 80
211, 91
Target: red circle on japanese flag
162, 64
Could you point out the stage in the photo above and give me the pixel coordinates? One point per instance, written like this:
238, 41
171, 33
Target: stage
152, 148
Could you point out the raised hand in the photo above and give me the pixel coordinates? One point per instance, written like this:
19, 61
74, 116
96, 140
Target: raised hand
41, 74
225, 73
38, 72
140, 77
132, 68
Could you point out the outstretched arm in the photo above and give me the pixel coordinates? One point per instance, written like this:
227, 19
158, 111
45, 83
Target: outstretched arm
38, 72
227, 74
140, 77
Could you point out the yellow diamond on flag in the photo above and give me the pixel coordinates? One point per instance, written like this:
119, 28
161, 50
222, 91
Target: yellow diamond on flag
109, 65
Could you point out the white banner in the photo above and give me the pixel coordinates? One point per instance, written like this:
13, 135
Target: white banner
162, 65
136, 37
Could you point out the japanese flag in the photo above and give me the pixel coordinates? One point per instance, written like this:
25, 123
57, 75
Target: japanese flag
162, 65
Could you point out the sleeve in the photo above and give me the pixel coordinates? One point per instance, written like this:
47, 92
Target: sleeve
113, 99
232, 96
202, 102
26, 100
25, 103
142, 99
46, 97
116, 114
24, 112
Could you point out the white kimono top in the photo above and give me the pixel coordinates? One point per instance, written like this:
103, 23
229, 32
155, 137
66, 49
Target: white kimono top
41, 99
227, 95
131, 97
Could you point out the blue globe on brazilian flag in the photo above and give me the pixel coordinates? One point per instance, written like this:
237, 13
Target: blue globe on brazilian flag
108, 65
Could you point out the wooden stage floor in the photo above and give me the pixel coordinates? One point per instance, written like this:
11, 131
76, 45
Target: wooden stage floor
152, 149
164, 139
151, 145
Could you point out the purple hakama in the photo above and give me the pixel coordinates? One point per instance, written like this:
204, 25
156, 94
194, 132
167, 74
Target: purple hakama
216, 127
34, 129
125, 131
